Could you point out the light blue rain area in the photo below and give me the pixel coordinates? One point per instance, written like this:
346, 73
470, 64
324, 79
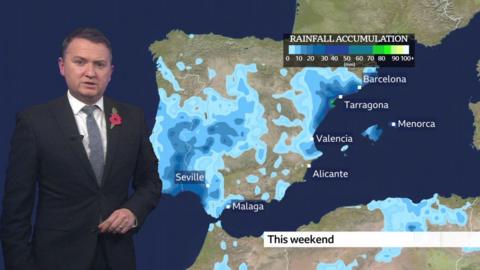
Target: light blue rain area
252, 179
278, 162
263, 171
279, 107
223, 265
283, 72
371, 71
167, 74
283, 121
280, 189
191, 36
199, 133
243, 266
223, 245
338, 265
470, 250
402, 215
265, 196
211, 73
235, 244
257, 190
311, 93
344, 148
198, 61
373, 133
386, 255
180, 66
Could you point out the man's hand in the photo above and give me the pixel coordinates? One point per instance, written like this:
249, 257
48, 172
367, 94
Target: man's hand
120, 221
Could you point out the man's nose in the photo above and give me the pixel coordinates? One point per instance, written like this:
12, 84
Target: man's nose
90, 70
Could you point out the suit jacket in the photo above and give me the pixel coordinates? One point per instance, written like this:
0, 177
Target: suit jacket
48, 158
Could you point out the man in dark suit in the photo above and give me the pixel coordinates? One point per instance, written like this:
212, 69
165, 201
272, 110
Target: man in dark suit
78, 153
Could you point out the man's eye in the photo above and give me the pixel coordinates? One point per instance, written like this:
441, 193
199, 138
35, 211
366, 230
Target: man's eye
78, 62
100, 65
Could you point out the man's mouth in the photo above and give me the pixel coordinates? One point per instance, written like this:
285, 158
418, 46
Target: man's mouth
89, 84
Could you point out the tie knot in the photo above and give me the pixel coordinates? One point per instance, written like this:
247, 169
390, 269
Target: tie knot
89, 109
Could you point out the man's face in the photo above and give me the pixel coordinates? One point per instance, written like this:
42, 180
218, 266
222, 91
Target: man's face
87, 68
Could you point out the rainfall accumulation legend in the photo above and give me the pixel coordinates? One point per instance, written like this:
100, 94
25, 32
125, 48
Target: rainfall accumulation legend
349, 50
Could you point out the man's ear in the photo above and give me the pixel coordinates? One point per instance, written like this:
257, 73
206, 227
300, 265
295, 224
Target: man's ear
61, 66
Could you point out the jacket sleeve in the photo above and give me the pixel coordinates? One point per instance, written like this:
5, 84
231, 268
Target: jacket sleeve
146, 181
19, 197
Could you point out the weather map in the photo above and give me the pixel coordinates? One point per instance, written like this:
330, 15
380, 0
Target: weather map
267, 147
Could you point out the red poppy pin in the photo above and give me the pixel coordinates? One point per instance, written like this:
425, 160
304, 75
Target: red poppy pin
115, 119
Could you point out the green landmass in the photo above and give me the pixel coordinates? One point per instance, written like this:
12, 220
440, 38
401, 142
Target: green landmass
478, 67
454, 201
250, 250
347, 219
429, 20
475, 108
210, 249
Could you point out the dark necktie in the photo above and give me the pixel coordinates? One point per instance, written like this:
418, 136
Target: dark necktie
96, 156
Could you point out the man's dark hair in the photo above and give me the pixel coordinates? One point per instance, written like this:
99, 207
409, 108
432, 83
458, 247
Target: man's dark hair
91, 34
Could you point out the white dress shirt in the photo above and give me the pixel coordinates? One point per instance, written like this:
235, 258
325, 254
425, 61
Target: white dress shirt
81, 119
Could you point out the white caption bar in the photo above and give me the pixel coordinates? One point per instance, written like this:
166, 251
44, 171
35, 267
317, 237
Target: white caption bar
371, 239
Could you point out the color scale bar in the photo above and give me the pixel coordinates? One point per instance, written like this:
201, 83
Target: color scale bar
349, 49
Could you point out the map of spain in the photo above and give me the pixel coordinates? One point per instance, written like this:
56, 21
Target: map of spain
265, 147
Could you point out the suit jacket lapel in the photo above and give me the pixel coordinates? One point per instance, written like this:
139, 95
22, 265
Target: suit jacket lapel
113, 134
64, 115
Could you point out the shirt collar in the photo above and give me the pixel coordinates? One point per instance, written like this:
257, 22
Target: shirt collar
77, 105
